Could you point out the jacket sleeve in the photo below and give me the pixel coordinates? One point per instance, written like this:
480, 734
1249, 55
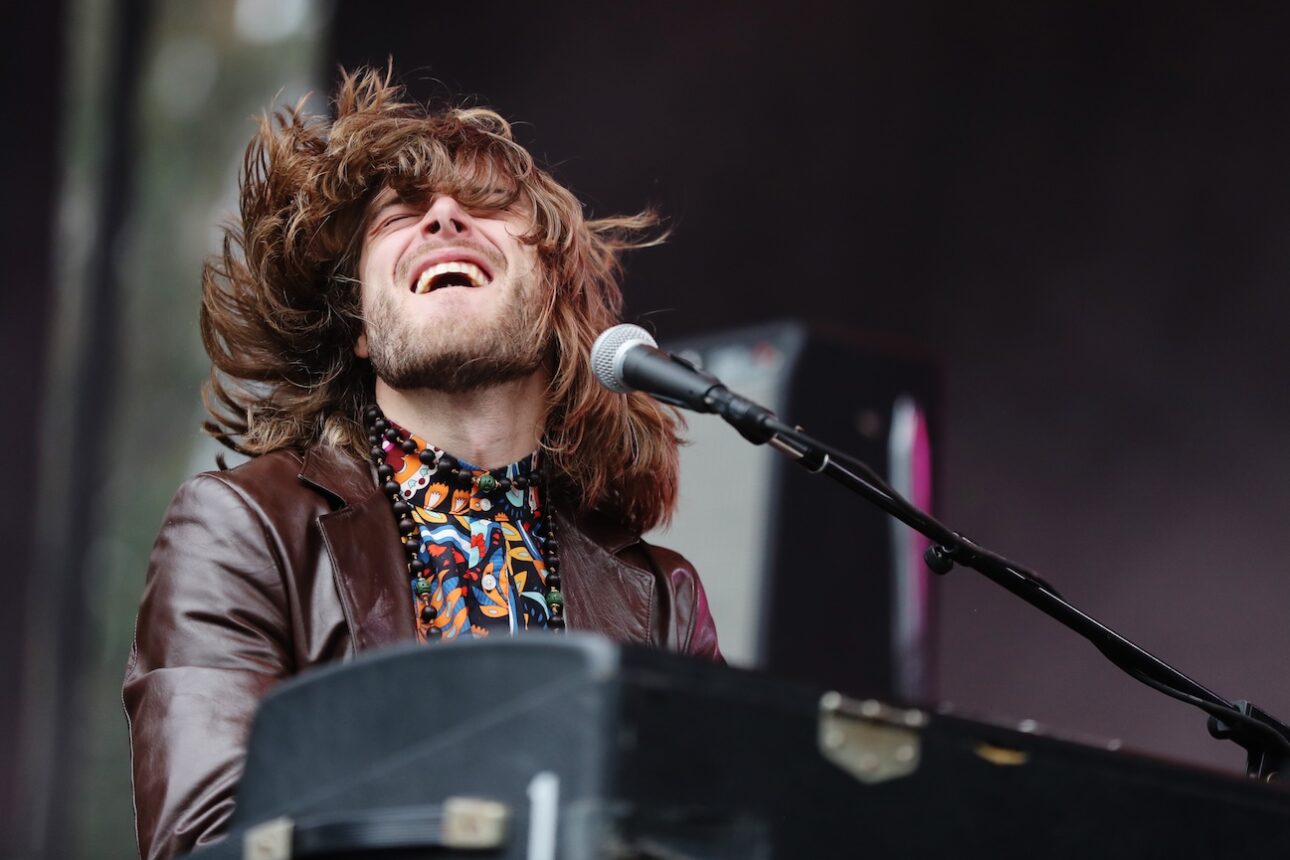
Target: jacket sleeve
210, 640
703, 631
694, 632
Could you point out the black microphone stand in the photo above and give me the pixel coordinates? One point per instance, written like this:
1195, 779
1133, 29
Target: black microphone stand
1266, 740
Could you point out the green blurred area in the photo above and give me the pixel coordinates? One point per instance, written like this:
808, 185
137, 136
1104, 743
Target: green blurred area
207, 70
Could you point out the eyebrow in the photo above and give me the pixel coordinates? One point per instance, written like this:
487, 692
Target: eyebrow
385, 198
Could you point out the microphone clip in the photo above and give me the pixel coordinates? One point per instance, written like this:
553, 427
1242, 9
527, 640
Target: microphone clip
751, 419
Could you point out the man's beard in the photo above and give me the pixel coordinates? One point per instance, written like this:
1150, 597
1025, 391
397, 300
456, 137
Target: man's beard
456, 356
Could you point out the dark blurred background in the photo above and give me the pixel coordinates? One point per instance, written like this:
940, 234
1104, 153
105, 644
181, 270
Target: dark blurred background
1078, 209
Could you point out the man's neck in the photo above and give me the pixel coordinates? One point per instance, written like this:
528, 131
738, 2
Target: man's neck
487, 427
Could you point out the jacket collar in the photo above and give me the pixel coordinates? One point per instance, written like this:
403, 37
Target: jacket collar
610, 536
336, 473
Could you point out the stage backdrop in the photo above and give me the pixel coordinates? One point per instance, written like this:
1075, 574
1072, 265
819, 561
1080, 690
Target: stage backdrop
1081, 209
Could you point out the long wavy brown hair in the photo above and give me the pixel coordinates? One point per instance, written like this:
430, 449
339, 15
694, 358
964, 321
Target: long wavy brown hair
280, 304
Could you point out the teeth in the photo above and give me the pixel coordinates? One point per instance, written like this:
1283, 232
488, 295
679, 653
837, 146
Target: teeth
470, 270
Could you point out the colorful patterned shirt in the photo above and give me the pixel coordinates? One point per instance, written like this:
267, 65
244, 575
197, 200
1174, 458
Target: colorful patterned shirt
484, 573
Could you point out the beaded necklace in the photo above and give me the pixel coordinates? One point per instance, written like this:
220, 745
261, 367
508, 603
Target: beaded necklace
447, 469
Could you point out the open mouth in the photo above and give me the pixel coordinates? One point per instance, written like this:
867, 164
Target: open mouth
458, 273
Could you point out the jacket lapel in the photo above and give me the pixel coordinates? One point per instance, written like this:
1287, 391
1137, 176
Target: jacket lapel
606, 594
366, 554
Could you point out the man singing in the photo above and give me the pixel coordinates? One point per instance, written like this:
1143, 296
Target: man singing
399, 327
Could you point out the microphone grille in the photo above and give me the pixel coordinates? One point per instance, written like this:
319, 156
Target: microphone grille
607, 352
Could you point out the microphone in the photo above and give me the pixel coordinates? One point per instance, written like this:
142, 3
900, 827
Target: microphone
626, 358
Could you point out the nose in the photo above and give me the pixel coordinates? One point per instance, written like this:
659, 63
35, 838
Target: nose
445, 217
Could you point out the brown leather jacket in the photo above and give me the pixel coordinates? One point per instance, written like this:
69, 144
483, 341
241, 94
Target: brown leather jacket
286, 562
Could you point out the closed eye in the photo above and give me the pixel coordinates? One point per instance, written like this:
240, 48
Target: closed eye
391, 215
394, 219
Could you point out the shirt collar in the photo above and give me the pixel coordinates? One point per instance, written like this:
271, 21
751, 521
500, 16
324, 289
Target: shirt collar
504, 493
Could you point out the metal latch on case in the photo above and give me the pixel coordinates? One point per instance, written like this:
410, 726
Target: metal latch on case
871, 741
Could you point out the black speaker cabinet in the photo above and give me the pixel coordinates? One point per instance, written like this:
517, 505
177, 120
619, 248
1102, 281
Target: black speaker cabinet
806, 580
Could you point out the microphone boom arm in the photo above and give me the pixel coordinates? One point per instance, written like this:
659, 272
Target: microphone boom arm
1265, 739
